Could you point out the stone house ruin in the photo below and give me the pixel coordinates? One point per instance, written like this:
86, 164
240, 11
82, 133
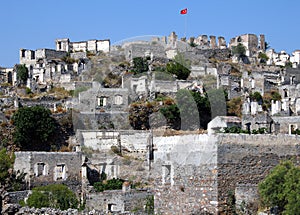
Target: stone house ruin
117, 201
203, 42
104, 108
250, 42
93, 46
6, 75
99, 99
282, 58
43, 168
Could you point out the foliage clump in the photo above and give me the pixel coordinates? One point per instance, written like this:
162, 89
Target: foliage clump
263, 58
34, 128
256, 96
53, 196
22, 73
140, 65
180, 67
6, 163
112, 184
280, 190
239, 50
238, 130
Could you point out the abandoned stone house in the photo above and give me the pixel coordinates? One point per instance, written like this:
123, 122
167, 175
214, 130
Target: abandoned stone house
43, 168
93, 46
6, 75
100, 107
47, 66
99, 99
203, 42
250, 42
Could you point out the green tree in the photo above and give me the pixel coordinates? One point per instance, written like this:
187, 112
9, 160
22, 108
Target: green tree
292, 191
140, 65
22, 73
179, 67
34, 128
203, 107
217, 100
239, 50
256, 96
281, 188
179, 70
54, 196
172, 115
263, 57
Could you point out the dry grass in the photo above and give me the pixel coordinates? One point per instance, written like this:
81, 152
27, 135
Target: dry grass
171, 132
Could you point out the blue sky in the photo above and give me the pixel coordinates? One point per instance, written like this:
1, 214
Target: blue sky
33, 24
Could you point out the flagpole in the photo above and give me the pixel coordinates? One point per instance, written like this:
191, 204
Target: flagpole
184, 12
185, 25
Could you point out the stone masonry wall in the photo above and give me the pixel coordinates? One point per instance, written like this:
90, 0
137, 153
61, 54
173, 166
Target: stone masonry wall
44, 168
103, 140
120, 201
247, 159
196, 173
185, 174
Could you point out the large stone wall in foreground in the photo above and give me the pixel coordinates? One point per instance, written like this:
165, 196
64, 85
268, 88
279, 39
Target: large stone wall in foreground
202, 171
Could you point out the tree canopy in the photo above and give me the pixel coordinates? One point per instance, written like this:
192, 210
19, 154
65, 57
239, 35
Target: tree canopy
180, 67
34, 128
140, 65
22, 73
281, 188
239, 50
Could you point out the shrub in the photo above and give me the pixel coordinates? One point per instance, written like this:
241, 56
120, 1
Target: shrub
263, 57
28, 90
256, 96
239, 50
54, 196
179, 70
113, 184
281, 188
116, 150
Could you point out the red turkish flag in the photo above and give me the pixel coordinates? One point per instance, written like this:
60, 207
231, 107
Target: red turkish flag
184, 11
